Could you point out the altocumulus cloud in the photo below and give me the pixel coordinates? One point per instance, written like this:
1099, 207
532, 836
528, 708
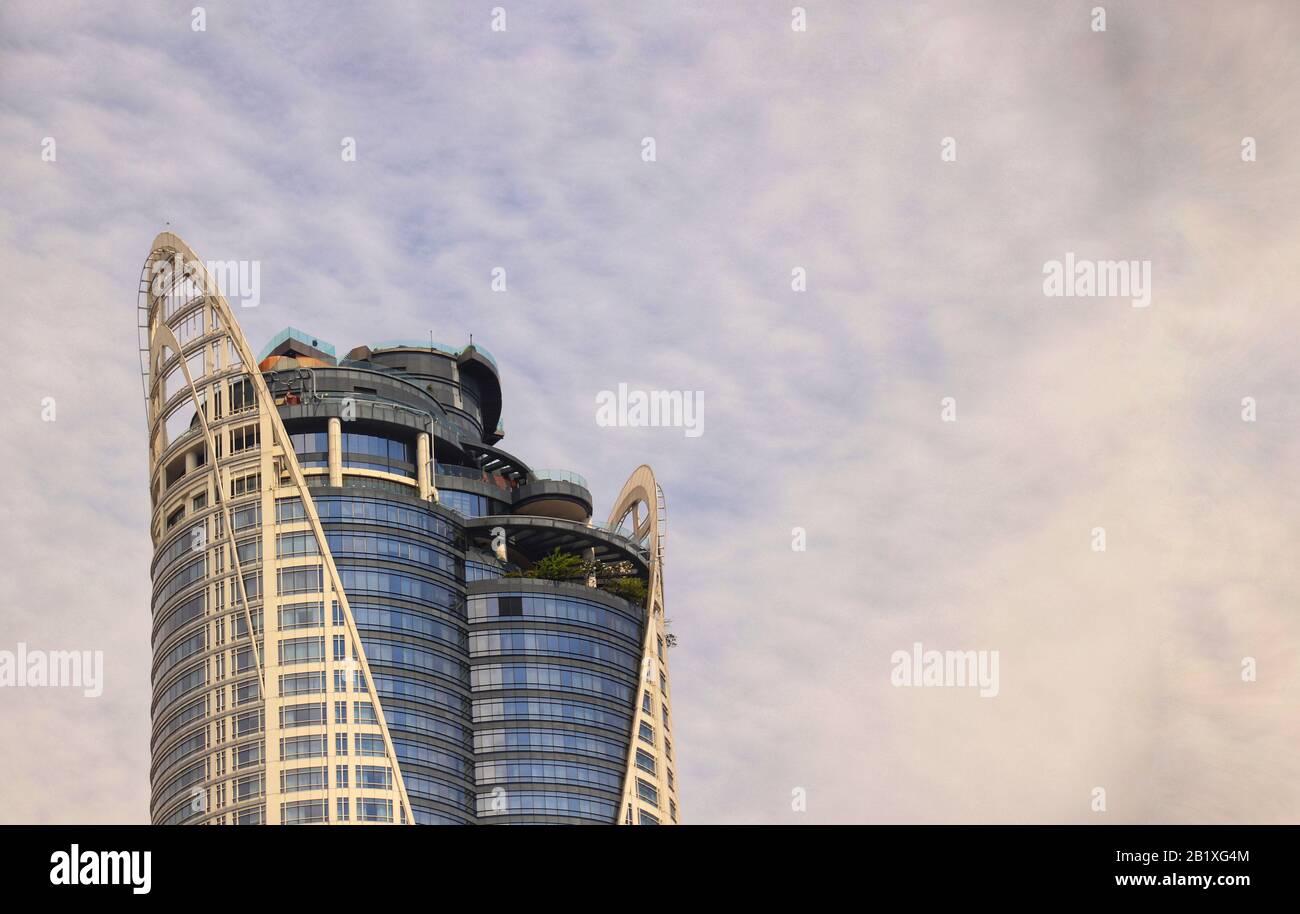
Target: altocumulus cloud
776, 150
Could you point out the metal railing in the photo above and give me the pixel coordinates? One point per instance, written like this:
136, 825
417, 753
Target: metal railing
492, 479
575, 586
621, 533
292, 333
487, 355
435, 346
561, 476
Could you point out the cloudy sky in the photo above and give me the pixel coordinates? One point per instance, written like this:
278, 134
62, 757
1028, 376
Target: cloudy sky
776, 149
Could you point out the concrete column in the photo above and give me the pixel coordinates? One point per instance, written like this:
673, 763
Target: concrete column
423, 479
336, 452
191, 462
590, 556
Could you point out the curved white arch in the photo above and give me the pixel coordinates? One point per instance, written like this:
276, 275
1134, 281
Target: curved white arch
279, 476
642, 499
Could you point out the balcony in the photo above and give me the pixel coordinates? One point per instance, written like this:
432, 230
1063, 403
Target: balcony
545, 587
505, 484
562, 476
561, 494
532, 537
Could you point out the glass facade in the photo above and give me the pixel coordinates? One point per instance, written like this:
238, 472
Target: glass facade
554, 675
362, 451
471, 504
408, 677
402, 568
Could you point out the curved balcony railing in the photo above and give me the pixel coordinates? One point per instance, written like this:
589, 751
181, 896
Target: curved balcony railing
562, 476
441, 422
623, 534
487, 355
290, 333
444, 348
632, 545
576, 587
492, 479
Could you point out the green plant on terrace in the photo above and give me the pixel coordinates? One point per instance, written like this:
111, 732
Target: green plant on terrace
558, 566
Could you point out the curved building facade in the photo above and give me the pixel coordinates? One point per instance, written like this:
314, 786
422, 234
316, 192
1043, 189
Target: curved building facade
365, 611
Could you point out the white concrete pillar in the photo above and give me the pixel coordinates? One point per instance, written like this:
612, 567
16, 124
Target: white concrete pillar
336, 452
422, 475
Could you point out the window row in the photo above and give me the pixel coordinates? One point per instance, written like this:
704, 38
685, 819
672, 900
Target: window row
376, 511
545, 606
559, 678
394, 549
550, 709
537, 771
546, 804
510, 641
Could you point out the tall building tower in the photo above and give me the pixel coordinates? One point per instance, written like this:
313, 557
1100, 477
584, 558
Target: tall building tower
364, 610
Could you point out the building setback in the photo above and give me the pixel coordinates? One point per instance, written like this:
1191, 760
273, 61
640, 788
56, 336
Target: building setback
359, 611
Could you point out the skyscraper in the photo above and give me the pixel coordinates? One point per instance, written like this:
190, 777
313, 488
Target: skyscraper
364, 610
